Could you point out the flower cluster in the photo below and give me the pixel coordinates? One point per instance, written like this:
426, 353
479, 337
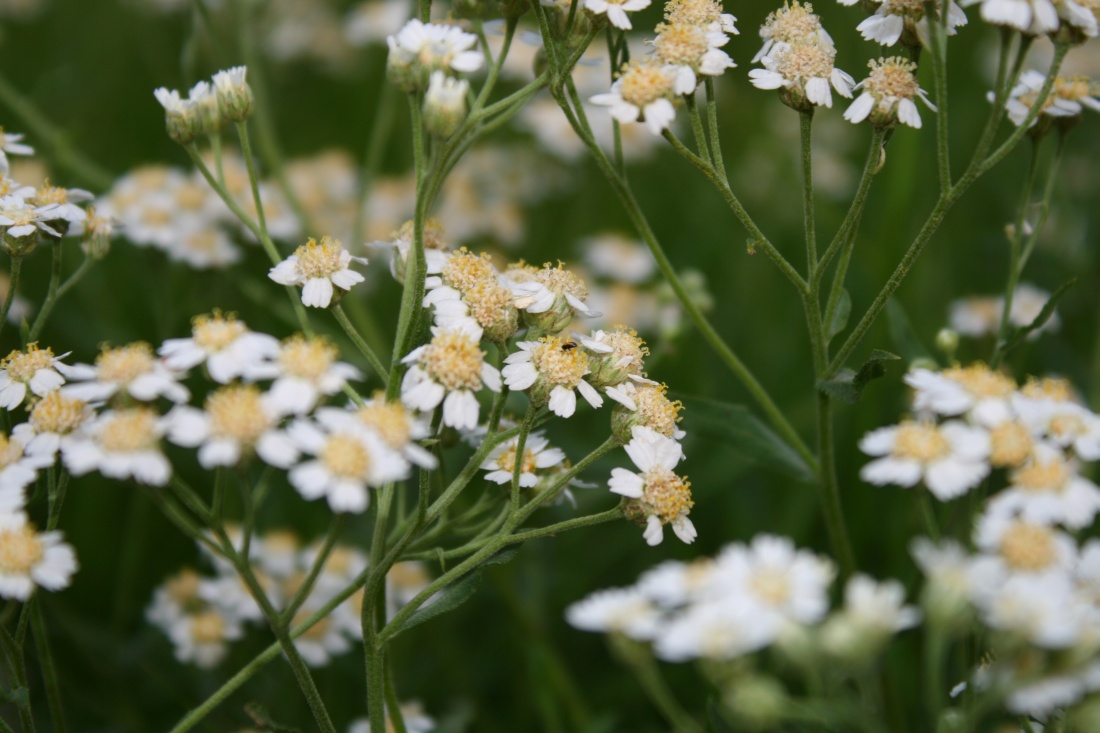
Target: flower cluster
688, 45
979, 316
745, 599
906, 21
208, 107
200, 614
1068, 98
27, 213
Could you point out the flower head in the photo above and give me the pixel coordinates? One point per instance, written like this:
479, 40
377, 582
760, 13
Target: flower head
551, 368
32, 370
657, 495
420, 48
644, 92
29, 558
950, 459
889, 95
450, 369
317, 268
805, 72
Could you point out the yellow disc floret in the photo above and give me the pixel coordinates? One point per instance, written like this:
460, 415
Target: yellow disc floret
20, 550
920, 441
307, 358
345, 457
454, 359
320, 260
57, 414
667, 495
557, 365
216, 331
126, 363
1028, 547
128, 431
22, 365
237, 412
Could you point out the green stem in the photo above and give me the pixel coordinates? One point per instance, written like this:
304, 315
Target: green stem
517, 459
938, 44
639, 660
49, 670
712, 127
13, 283
17, 670
1048, 193
805, 128
315, 570
51, 292
393, 703
697, 131
830, 491
360, 343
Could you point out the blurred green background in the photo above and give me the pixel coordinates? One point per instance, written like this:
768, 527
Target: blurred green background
90, 67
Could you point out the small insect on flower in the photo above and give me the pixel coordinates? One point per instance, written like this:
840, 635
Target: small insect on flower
568, 346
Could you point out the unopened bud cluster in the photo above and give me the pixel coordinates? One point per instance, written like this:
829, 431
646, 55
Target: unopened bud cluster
208, 107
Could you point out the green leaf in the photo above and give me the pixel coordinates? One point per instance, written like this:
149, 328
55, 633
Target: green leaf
749, 440
840, 315
263, 721
457, 593
1018, 335
903, 336
848, 386
716, 721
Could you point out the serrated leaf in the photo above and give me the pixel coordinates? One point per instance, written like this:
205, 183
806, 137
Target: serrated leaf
841, 314
716, 721
1019, 334
457, 593
263, 721
848, 386
902, 335
747, 437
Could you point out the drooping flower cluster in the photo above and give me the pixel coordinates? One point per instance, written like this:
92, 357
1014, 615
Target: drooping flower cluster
797, 57
745, 599
688, 45
208, 107
200, 614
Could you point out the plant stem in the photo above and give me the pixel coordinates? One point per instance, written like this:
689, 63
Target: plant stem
13, 283
51, 292
830, 491
361, 344
639, 660
805, 128
518, 457
49, 670
938, 52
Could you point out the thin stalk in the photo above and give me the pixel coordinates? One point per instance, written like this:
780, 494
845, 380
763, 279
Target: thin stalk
494, 70
697, 131
17, 669
938, 44
13, 283
639, 660
518, 458
830, 490
805, 128
855, 211
712, 127
49, 670
315, 570
360, 343
51, 292
396, 718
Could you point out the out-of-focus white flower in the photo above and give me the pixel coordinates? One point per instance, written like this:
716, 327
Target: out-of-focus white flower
716, 630
11, 142
976, 391
17, 471
450, 369
658, 496
950, 459
224, 343
1040, 608
1068, 98
617, 257
621, 610
52, 418
1048, 490
305, 370
33, 369
420, 48
372, 21
20, 219
235, 422
872, 612
132, 370
1034, 17
318, 268
120, 444
398, 428
1012, 546
29, 558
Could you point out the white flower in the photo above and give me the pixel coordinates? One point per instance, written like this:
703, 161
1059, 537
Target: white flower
349, 458
776, 579
397, 427
1035, 17
692, 46
537, 455
325, 639
1010, 545
236, 420
673, 584
420, 48
450, 369
52, 418
552, 370
616, 610
371, 21
721, 630
10, 142
29, 558
947, 567
805, 71
616, 10
20, 218
35, 370
132, 370
201, 636
223, 343
645, 92
888, 95
793, 23
317, 268
617, 257
950, 459
1041, 608
1068, 98
872, 612
550, 296
658, 495
120, 444
976, 391
978, 316
894, 17
1048, 490
1045, 697
64, 203
304, 370
1061, 422
17, 471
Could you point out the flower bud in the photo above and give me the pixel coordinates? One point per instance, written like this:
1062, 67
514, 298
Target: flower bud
181, 119
233, 93
947, 341
757, 701
445, 104
205, 103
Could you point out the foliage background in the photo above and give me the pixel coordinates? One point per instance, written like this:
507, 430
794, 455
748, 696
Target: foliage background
506, 661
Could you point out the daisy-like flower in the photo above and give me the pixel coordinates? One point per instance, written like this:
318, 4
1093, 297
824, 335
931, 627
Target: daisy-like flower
616, 10
674, 584
719, 630
872, 612
233, 93
436, 251
658, 496
1034, 17
889, 95
644, 92
65, 202
304, 371
120, 444
11, 142
1010, 444
1064, 423
318, 268
950, 459
17, 471
349, 458
1048, 490
224, 343
35, 370
616, 357
616, 610
1010, 545
977, 391
132, 370
450, 369
537, 455
468, 287
805, 72
29, 558
793, 23
947, 568
552, 368
551, 298
1041, 608
235, 421
398, 428
652, 409
979, 316
895, 19
420, 48
22, 222
325, 639
52, 418
1068, 98
777, 579
692, 46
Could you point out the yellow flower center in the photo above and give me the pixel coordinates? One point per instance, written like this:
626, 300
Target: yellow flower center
693, 12
521, 272
667, 495
48, 194
1012, 445
981, 382
237, 412
215, 332
57, 414
892, 77
10, 451
21, 365
388, 419
183, 588
320, 260
920, 441
559, 366
507, 460
126, 363
129, 431
207, 627
489, 302
771, 587
1073, 88
190, 196
795, 23
345, 457
1040, 476
805, 61
657, 411
465, 270
627, 344
1048, 388
681, 43
20, 550
281, 542
1028, 547
307, 358
454, 360
643, 84
1067, 425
